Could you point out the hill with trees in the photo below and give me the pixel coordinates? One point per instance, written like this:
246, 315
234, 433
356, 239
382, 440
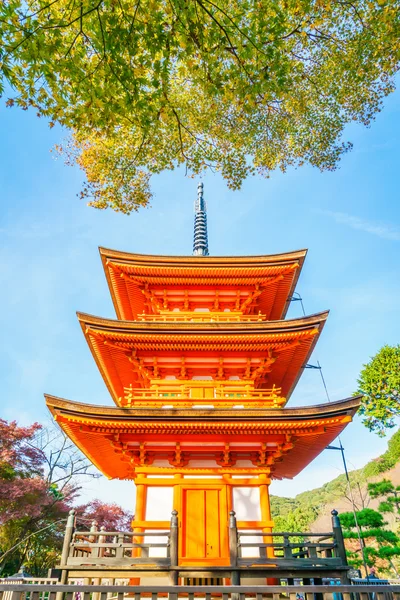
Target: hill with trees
311, 509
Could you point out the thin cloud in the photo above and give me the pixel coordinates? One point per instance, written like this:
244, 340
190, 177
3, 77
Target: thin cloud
379, 229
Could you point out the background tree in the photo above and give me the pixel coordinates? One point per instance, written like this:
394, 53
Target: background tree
40, 476
297, 520
24, 491
381, 546
239, 86
109, 515
391, 493
379, 383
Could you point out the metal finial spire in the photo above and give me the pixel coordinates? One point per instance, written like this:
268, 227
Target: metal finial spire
200, 242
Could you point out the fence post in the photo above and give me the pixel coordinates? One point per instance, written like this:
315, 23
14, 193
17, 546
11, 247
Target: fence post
287, 550
233, 547
69, 532
338, 537
339, 543
173, 547
102, 540
94, 539
119, 539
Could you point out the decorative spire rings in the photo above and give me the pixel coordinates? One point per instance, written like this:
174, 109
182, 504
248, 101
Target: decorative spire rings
200, 242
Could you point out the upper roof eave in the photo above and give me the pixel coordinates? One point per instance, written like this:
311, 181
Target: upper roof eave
179, 261
217, 262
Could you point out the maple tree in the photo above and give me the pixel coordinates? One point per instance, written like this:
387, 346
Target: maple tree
240, 86
23, 489
109, 515
40, 477
29, 500
41, 474
379, 384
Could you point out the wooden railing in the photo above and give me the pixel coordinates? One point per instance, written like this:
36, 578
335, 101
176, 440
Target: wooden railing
118, 548
313, 549
171, 393
273, 592
115, 547
258, 551
202, 317
287, 550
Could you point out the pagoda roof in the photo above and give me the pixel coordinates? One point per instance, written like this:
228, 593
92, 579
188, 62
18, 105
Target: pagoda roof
263, 284
132, 353
111, 436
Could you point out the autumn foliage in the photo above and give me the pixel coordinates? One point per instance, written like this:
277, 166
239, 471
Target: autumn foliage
24, 492
41, 474
109, 515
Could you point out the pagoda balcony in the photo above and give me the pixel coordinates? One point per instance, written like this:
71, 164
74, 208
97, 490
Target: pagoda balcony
153, 548
201, 317
200, 393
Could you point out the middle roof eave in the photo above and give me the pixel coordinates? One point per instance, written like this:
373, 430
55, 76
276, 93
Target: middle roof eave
117, 345
204, 328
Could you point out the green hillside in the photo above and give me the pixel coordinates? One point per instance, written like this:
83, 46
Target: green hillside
298, 513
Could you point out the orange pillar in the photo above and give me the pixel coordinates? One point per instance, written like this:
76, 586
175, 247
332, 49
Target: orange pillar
266, 516
177, 505
140, 515
265, 505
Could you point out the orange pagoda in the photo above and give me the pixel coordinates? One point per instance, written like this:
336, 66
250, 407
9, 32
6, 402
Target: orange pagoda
200, 364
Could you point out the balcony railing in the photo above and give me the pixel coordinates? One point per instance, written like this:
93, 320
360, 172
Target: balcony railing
193, 393
201, 317
257, 553
117, 547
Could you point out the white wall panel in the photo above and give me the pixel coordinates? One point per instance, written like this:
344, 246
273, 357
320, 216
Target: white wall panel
158, 508
246, 503
159, 503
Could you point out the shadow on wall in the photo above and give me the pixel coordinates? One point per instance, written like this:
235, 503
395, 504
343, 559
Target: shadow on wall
246, 504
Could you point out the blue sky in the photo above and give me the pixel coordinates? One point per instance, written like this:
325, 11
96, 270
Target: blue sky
50, 267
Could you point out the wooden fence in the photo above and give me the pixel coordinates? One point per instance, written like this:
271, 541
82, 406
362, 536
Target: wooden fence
94, 592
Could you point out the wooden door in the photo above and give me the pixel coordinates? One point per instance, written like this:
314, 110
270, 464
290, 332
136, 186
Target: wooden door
202, 393
204, 526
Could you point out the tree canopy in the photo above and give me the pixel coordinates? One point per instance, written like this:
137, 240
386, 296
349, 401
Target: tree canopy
386, 488
379, 383
380, 545
240, 86
41, 474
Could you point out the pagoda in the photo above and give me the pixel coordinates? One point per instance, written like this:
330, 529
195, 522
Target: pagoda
200, 363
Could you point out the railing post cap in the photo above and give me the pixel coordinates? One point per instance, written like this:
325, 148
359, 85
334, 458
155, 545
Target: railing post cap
232, 513
174, 513
335, 519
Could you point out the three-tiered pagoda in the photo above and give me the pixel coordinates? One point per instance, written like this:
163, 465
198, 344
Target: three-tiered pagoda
200, 364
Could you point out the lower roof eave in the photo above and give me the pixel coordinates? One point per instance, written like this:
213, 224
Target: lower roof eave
93, 429
347, 406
